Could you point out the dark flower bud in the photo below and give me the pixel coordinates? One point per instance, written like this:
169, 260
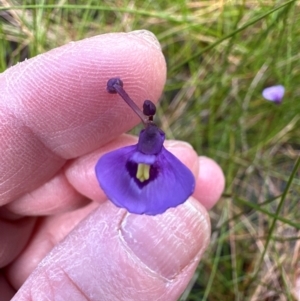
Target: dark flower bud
149, 108
111, 85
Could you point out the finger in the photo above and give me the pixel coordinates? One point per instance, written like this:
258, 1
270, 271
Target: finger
134, 257
14, 236
54, 197
55, 106
210, 182
6, 290
49, 232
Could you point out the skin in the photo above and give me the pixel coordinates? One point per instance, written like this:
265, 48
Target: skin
60, 238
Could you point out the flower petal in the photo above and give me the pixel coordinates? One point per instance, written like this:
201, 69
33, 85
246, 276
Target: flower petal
172, 185
274, 93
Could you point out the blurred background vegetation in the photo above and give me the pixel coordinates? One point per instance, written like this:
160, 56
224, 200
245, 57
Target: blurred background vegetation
220, 55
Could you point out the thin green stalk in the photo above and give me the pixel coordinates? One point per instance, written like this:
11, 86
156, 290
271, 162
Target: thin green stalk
211, 46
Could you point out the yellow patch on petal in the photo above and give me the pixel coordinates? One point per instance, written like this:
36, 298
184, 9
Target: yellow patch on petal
143, 172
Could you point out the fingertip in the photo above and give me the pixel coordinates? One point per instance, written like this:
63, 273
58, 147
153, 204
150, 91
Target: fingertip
210, 182
183, 233
74, 87
55, 106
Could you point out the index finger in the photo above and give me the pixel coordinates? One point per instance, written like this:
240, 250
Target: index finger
55, 106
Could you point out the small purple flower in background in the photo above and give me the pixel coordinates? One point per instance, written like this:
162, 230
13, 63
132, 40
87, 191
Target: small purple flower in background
274, 93
144, 178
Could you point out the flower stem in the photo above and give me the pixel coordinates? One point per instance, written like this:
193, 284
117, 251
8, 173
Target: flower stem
115, 85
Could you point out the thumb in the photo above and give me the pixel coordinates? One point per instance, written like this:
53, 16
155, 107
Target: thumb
114, 255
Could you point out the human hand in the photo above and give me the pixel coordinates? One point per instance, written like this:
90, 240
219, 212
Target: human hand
56, 119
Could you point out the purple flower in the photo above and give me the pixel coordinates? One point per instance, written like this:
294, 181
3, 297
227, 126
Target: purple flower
274, 93
144, 178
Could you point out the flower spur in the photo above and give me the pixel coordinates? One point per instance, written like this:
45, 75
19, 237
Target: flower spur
144, 178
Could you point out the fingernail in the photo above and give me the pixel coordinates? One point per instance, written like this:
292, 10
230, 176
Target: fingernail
170, 242
148, 36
